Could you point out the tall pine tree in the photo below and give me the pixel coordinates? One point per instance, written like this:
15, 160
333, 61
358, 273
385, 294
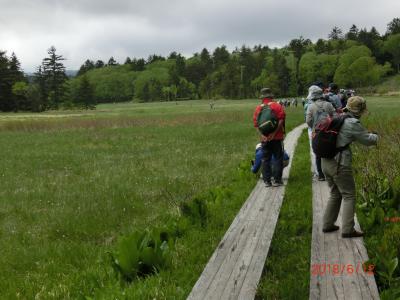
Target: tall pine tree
5, 83
54, 76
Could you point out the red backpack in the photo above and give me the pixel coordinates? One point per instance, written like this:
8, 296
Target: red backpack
325, 134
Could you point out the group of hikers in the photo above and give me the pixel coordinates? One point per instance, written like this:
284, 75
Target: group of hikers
333, 125
288, 102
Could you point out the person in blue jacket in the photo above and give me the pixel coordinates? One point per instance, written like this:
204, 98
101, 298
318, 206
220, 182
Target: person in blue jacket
256, 163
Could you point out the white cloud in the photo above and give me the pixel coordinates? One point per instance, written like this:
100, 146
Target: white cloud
99, 29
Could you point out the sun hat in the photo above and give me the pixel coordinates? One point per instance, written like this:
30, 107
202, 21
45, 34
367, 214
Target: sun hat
266, 93
356, 105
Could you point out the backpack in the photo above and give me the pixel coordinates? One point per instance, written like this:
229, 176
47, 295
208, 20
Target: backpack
266, 120
325, 135
320, 114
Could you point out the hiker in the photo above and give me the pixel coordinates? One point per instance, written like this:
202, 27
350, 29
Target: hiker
346, 95
338, 170
272, 143
317, 109
256, 163
333, 97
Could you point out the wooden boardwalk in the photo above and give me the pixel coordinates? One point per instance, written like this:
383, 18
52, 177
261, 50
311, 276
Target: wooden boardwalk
336, 264
235, 267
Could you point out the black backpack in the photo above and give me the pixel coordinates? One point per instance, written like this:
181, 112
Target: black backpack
325, 135
266, 120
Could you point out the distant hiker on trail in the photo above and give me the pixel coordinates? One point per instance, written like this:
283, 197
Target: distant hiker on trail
338, 170
309, 101
333, 97
256, 163
269, 119
344, 96
317, 109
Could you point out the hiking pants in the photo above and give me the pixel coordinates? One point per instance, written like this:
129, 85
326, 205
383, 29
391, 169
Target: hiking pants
319, 166
274, 147
342, 187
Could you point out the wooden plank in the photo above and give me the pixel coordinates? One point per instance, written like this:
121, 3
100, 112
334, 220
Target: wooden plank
330, 249
241, 268
334, 283
227, 244
351, 285
229, 264
256, 265
251, 228
317, 281
251, 262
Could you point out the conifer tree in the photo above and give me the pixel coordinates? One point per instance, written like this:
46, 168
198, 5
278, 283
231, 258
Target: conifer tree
54, 76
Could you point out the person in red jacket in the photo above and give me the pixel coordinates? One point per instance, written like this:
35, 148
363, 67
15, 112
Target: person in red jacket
273, 143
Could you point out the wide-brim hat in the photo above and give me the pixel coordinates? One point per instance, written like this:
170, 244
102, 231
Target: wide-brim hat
266, 93
356, 105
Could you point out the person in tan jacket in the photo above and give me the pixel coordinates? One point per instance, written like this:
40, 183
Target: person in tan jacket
339, 173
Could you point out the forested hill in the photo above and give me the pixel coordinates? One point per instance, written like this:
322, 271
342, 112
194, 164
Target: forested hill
357, 58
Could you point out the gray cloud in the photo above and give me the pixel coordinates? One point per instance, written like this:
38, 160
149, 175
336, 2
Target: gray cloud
99, 29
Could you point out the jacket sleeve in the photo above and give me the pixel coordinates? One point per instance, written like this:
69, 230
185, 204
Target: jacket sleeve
361, 135
280, 112
309, 116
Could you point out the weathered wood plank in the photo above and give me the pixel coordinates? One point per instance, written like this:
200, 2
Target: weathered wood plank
332, 250
334, 283
228, 243
256, 265
249, 234
252, 230
318, 282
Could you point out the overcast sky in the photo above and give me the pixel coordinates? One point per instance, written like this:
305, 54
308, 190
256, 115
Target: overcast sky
98, 29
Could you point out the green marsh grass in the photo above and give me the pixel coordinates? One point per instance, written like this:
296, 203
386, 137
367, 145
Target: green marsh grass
377, 171
73, 183
287, 269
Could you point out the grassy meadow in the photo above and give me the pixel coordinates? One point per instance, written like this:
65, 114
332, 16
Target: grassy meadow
74, 182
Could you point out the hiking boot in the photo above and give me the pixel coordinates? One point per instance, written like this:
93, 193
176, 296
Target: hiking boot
352, 234
321, 178
268, 183
330, 229
277, 183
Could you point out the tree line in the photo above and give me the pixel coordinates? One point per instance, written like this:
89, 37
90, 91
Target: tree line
357, 58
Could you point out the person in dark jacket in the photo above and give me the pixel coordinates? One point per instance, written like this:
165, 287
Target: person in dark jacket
256, 163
